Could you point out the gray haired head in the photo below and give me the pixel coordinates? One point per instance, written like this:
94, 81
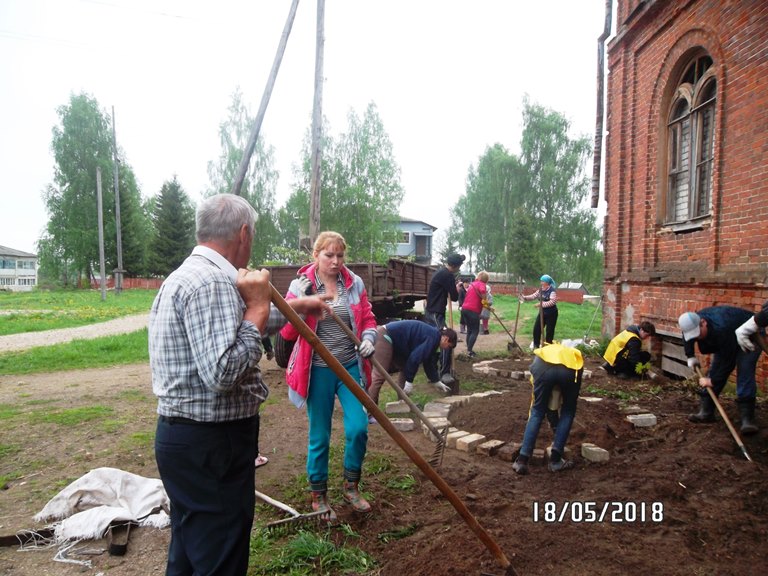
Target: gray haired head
220, 217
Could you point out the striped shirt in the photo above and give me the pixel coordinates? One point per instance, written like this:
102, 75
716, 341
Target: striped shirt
330, 333
203, 355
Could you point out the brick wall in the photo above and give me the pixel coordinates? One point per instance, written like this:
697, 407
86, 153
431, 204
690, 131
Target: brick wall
652, 271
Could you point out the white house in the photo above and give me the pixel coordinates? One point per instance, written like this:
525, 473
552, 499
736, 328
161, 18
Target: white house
18, 270
415, 240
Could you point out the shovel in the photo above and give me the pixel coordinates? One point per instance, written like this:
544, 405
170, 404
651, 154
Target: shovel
354, 387
510, 345
725, 418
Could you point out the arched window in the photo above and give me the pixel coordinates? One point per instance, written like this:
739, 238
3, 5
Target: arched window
690, 143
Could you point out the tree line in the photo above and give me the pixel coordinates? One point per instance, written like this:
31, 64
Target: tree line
520, 214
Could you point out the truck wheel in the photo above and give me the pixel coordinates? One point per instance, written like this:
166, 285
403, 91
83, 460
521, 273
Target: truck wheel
283, 349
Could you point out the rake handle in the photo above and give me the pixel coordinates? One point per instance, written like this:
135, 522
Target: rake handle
725, 418
400, 393
312, 339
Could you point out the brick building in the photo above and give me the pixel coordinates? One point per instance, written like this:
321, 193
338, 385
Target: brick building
686, 160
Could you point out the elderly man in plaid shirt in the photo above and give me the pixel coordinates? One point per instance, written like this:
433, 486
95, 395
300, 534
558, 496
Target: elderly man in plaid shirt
205, 331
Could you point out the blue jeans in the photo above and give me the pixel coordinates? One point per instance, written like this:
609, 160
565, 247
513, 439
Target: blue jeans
324, 386
570, 384
745, 364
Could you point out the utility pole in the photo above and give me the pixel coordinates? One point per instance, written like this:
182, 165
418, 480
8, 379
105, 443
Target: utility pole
119, 269
317, 126
102, 270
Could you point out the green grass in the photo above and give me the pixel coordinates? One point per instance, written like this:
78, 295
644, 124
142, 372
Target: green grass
78, 354
49, 309
305, 553
71, 416
573, 320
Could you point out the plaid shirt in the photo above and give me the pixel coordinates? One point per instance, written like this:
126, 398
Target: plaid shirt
203, 355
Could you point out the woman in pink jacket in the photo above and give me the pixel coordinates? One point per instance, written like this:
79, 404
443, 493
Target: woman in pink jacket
312, 383
473, 306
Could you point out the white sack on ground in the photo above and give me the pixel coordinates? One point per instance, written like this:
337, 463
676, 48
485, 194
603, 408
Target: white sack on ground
86, 507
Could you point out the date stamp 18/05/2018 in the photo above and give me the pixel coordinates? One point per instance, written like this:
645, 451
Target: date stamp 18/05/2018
617, 512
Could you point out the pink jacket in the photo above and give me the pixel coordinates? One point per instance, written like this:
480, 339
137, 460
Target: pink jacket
363, 325
473, 301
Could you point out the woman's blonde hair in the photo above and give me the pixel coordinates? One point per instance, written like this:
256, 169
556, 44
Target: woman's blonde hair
483, 276
326, 238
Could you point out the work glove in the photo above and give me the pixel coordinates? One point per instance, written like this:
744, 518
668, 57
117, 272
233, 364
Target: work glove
744, 333
305, 286
693, 363
440, 387
408, 388
521, 299
366, 348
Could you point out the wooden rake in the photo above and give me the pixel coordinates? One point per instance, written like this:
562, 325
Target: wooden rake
312, 339
440, 437
725, 417
296, 520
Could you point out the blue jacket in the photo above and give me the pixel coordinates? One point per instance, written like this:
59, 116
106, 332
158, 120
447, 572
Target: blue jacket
414, 343
722, 322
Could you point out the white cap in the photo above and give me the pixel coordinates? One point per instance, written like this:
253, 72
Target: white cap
689, 323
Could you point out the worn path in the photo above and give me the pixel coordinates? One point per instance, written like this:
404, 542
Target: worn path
124, 325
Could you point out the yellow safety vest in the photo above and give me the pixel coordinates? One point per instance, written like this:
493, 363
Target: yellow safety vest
559, 354
617, 345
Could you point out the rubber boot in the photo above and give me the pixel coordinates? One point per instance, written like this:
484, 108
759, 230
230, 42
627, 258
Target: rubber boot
706, 411
747, 413
353, 496
320, 504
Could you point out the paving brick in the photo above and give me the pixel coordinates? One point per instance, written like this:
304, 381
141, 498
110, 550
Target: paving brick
485, 370
490, 448
486, 394
403, 424
453, 400
398, 407
634, 409
642, 420
439, 423
454, 436
440, 407
594, 453
469, 442
537, 458
509, 452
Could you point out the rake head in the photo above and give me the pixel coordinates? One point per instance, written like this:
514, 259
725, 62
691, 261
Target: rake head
437, 456
302, 521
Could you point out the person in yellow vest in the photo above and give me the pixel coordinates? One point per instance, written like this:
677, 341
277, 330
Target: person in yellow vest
625, 351
553, 365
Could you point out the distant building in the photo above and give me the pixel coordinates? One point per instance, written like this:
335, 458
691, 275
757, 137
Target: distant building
18, 270
415, 240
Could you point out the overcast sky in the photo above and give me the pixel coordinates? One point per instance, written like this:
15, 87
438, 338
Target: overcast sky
448, 78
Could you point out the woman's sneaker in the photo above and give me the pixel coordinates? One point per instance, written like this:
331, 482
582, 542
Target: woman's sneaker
520, 467
561, 465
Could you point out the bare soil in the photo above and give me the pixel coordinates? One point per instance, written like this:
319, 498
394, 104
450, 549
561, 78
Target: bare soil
714, 519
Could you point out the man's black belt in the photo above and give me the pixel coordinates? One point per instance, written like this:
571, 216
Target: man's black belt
180, 420
189, 421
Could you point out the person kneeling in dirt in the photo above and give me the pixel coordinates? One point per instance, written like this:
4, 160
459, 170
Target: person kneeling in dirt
715, 330
403, 346
625, 352
554, 365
